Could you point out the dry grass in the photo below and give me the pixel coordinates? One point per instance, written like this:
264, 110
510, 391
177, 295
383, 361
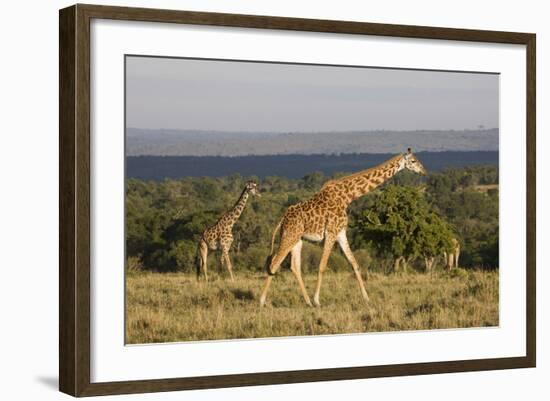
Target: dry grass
485, 188
175, 307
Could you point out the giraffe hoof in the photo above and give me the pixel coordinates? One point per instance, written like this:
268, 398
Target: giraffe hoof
316, 302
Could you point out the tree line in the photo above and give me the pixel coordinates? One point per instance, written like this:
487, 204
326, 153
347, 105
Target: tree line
411, 217
292, 165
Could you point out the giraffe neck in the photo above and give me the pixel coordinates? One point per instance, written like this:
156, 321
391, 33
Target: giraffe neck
356, 185
237, 210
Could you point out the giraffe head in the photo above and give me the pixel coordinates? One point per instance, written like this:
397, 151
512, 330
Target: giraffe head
252, 188
410, 162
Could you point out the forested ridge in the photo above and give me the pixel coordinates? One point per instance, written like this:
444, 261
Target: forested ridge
293, 166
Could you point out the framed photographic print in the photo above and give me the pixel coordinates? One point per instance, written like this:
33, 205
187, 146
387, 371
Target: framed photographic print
250, 200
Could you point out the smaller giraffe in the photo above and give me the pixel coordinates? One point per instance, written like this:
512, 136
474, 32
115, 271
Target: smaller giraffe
451, 258
220, 235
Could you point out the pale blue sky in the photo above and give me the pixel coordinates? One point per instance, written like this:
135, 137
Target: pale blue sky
242, 96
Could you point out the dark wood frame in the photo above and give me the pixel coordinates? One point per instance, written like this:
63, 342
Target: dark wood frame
74, 202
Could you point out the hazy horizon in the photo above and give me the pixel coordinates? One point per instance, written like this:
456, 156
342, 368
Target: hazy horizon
214, 95
157, 129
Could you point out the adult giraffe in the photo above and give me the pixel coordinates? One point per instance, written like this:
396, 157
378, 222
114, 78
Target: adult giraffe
221, 234
324, 218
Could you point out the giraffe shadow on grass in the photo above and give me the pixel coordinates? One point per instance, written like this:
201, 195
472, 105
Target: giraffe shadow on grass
243, 295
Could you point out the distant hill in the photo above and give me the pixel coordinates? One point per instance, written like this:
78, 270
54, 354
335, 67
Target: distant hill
214, 143
291, 166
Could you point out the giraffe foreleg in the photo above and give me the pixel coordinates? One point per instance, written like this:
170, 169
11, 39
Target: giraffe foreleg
344, 245
225, 245
327, 248
227, 259
203, 255
296, 267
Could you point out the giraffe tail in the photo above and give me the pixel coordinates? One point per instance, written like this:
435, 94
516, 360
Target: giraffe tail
274, 235
268, 260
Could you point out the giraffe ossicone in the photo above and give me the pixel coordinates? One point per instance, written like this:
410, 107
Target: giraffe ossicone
220, 235
323, 218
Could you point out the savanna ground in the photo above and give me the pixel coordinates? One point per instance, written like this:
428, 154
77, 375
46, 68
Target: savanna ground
168, 307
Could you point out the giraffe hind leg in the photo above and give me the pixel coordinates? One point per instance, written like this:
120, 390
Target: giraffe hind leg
295, 266
327, 249
285, 246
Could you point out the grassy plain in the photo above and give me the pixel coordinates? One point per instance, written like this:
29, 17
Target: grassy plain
169, 307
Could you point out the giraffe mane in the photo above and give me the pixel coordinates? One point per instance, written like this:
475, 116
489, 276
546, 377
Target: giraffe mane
389, 161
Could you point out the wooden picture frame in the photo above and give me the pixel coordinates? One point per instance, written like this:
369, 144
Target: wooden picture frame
74, 204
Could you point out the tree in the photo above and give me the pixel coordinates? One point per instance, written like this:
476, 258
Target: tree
401, 226
176, 248
433, 238
314, 181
